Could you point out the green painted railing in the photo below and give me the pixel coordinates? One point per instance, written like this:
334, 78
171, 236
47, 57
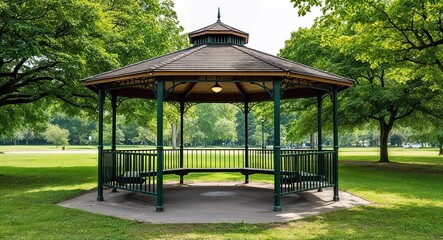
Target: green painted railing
136, 170
210, 158
130, 170
306, 171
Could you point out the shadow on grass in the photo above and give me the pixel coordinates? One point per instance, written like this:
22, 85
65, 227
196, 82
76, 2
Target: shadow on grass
18, 181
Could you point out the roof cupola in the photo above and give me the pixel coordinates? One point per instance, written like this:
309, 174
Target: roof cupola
218, 33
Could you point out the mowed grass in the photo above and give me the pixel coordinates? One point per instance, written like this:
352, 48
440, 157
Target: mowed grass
406, 196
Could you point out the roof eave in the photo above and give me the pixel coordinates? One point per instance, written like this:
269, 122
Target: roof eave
159, 73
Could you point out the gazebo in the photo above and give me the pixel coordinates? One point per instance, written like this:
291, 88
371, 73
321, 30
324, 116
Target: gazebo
218, 68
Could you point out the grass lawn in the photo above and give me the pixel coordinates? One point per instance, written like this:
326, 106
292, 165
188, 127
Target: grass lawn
407, 201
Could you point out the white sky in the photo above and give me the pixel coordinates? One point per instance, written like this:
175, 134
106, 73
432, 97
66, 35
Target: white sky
268, 22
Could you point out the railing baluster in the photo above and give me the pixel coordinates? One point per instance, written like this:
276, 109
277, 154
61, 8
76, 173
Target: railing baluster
135, 170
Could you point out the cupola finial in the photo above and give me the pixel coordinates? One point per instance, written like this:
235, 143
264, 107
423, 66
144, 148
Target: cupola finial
218, 15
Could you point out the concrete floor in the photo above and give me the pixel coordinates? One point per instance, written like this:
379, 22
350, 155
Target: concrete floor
213, 203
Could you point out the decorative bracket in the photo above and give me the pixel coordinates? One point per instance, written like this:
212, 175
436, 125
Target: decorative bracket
241, 105
171, 89
297, 82
144, 82
188, 105
263, 86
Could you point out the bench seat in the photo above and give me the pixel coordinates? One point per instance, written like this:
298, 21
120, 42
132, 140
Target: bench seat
287, 177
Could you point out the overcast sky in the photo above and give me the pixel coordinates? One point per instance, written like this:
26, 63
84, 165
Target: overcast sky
268, 22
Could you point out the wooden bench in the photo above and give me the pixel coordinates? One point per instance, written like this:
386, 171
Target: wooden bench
287, 177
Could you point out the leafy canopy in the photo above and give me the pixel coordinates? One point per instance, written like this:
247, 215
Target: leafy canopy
409, 32
47, 46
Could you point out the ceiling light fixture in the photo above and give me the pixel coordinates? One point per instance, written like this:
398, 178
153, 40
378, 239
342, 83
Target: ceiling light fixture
216, 88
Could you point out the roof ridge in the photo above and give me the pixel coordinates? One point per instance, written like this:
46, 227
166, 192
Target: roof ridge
133, 64
207, 28
231, 28
272, 63
284, 59
178, 57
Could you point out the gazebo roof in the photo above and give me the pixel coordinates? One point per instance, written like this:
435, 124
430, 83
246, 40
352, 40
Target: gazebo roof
244, 73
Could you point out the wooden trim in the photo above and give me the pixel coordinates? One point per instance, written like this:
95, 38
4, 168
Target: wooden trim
319, 79
219, 73
114, 79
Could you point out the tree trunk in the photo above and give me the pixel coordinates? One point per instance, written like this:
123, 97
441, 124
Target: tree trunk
440, 151
311, 141
385, 129
174, 136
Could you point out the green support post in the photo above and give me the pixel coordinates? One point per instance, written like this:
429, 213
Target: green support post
101, 99
114, 131
319, 122
114, 121
182, 112
335, 163
277, 148
246, 140
160, 89
321, 159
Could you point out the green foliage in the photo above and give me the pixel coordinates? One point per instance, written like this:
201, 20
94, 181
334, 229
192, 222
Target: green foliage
217, 122
224, 129
428, 129
79, 128
380, 95
145, 136
107, 135
56, 135
16, 117
407, 32
47, 46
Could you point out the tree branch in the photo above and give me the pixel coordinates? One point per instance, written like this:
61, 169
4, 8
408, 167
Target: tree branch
428, 45
439, 64
407, 113
75, 104
22, 100
391, 22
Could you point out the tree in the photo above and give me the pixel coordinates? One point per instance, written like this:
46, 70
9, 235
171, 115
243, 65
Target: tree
379, 95
192, 134
224, 130
47, 46
208, 116
56, 135
257, 136
107, 135
131, 132
428, 129
145, 136
404, 31
79, 127
15, 117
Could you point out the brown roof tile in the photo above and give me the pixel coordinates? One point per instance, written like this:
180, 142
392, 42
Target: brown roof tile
218, 58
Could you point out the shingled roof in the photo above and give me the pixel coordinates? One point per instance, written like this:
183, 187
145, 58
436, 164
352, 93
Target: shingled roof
243, 72
219, 58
